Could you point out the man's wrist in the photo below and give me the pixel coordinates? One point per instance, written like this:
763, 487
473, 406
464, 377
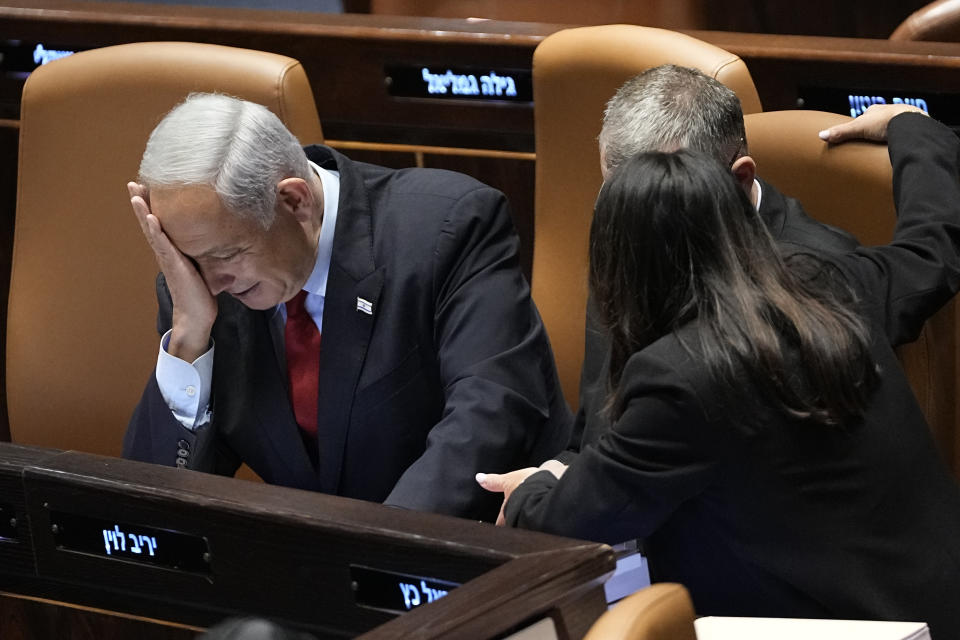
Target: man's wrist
185, 386
188, 346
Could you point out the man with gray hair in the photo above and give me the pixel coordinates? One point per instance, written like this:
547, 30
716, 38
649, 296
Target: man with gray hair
664, 109
667, 108
671, 107
433, 356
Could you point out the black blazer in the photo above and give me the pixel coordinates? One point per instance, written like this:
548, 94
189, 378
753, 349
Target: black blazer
759, 514
451, 374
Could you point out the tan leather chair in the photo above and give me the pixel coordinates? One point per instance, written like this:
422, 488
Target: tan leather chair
938, 21
849, 186
81, 335
660, 612
575, 73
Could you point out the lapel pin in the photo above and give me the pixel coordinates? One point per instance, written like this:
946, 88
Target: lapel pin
365, 306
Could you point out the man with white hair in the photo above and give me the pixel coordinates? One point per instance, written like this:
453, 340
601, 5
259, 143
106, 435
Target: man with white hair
433, 357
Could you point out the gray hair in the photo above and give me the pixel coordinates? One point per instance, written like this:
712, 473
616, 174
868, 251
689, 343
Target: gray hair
238, 148
668, 108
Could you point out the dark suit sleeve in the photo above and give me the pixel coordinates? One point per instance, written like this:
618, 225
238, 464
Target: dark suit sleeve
155, 435
502, 399
919, 270
660, 452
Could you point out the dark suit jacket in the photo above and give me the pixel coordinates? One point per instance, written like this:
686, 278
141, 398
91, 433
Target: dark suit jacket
760, 514
451, 374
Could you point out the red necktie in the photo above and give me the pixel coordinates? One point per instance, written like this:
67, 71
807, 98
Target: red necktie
303, 363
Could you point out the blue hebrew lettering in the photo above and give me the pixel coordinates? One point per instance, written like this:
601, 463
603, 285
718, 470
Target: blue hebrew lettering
411, 597
430, 593
436, 83
107, 538
42, 56
122, 539
486, 82
913, 102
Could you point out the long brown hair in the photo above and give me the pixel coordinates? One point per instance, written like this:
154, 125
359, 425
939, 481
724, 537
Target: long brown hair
675, 240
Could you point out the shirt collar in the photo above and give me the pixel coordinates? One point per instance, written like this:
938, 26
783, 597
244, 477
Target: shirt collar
317, 282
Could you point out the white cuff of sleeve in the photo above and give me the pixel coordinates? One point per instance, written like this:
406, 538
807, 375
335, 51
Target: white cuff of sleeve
185, 386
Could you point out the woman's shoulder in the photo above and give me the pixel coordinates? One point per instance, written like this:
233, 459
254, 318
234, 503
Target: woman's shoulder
675, 367
673, 361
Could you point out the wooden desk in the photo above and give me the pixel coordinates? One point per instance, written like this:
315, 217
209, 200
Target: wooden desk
292, 556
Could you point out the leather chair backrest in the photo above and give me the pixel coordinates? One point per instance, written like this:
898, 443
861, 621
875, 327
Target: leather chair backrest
81, 335
938, 21
575, 73
662, 611
849, 186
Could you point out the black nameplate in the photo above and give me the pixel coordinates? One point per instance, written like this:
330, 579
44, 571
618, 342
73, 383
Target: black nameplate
117, 540
440, 82
397, 592
853, 102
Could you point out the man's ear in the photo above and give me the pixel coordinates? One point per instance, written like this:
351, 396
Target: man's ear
745, 171
295, 196
603, 164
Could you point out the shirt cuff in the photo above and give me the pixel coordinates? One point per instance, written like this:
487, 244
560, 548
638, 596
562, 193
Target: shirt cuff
185, 386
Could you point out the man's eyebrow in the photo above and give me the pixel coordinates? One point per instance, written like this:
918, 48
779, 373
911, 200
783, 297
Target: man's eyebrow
221, 250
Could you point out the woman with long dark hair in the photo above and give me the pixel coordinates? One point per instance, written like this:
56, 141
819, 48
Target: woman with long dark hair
676, 241
764, 442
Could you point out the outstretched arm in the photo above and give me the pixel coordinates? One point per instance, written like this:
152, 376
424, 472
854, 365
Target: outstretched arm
914, 275
871, 125
502, 399
658, 454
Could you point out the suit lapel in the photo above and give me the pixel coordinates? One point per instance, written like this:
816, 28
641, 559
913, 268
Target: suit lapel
349, 313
